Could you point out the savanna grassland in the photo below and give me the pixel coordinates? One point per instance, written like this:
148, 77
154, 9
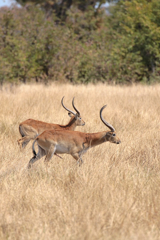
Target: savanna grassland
114, 195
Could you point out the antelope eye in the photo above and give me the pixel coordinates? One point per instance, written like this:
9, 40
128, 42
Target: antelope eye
113, 134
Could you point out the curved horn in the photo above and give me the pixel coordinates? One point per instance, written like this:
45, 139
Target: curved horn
67, 108
75, 107
104, 121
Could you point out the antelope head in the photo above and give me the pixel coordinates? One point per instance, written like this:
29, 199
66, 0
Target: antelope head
110, 135
75, 116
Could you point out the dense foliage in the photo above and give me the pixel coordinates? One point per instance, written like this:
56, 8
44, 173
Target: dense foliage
81, 45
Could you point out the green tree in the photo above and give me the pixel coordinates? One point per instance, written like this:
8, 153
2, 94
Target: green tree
136, 33
60, 8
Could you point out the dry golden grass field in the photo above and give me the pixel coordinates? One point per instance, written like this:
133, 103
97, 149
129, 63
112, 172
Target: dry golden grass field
114, 195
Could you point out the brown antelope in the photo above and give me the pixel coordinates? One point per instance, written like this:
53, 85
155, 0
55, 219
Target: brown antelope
31, 128
74, 143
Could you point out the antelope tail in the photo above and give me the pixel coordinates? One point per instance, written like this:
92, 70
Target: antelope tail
33, 149
21, 131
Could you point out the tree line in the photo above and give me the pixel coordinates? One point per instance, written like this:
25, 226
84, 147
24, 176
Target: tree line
80, 42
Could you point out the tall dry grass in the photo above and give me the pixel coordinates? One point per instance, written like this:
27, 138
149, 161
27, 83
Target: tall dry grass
114, 195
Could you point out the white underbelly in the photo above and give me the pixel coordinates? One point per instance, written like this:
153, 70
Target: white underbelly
61, 149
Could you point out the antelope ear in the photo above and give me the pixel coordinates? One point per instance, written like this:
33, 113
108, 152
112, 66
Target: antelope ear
70, 114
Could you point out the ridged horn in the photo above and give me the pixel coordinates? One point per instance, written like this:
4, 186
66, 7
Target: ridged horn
75, 107
67, 108
104, 121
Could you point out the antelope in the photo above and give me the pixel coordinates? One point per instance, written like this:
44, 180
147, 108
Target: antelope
31, 128
53, 142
